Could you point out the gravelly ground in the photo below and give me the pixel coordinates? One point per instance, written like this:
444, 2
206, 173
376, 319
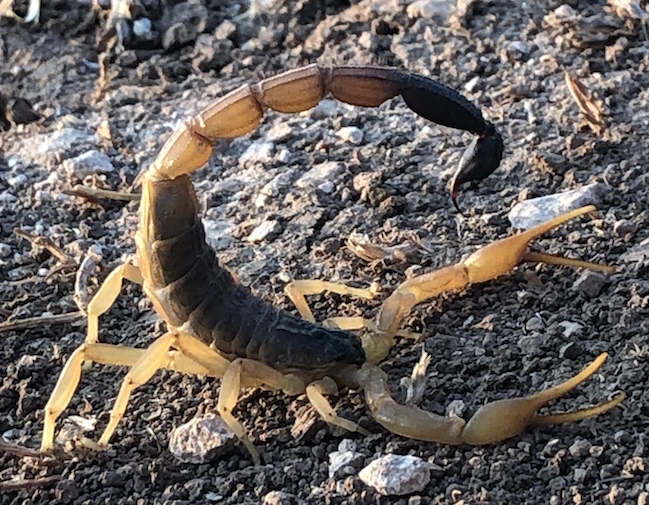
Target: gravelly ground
313, 188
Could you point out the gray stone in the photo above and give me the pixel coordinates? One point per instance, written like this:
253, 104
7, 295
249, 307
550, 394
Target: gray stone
531, 213
590, 284
345, 461
351, 134
201, 439
319, 174
88, 163
580, 448
397, 475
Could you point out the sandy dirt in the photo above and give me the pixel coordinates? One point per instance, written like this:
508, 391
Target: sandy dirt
310, 188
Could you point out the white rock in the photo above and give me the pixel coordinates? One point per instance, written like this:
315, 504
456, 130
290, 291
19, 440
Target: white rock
429, 8
351, 134
323, 172
258, 152
61, 140
397, 475
88, 163
345, 461
531, 213
281, 498
471, 86
279, 132
263, 230
326, 108
327, 187
142, 28
201, 439
569, 328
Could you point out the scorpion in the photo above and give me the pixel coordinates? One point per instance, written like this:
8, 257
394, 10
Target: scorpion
217, 327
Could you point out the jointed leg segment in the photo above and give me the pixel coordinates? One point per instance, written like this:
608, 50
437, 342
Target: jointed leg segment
106, 296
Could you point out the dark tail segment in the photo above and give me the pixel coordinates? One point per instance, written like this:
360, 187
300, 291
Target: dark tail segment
445, 106
478, 162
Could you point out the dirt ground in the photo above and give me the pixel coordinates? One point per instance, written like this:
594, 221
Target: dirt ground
310, 188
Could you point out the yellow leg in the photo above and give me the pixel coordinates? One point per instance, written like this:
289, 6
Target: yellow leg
108, 354
149, 363
107, 294
297, 291
315, 393
195, 357
231, 386
492, 423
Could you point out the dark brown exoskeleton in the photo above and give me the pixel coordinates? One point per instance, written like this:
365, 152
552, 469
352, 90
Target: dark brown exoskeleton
217, 327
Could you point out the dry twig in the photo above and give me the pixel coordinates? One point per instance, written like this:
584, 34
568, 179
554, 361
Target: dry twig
22, 484
18, 450
97, 194
32, 322
591, 109
46, 243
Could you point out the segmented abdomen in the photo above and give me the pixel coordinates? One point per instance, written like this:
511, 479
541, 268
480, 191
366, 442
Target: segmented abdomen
193, 293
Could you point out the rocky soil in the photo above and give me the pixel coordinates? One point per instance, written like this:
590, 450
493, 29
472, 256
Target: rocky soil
88, 97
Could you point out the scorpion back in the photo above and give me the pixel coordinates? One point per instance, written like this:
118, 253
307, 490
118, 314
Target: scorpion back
199, 297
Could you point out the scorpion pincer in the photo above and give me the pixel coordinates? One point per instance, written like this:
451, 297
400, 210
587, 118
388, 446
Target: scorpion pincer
218, 328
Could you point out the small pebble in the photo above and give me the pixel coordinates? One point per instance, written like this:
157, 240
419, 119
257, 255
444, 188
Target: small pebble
319, 174
394, 475
89, 163
5, 250
258, 152
624, 227
351, 134
264, 230
579, 475
530, 344
201, 439
590, 284
281, 498
580, 448
142, 28
345, 461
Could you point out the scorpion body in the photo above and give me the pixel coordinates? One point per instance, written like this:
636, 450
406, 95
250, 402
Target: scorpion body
198, 297
217, 327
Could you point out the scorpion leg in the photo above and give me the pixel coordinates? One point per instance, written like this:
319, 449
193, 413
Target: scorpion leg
100, 353
315, 392
298, 290
487, 263
107, 294
143, 362
231, 385
156, 356
493, 422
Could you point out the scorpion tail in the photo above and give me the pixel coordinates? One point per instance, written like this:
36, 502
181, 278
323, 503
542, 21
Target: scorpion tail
478, 162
